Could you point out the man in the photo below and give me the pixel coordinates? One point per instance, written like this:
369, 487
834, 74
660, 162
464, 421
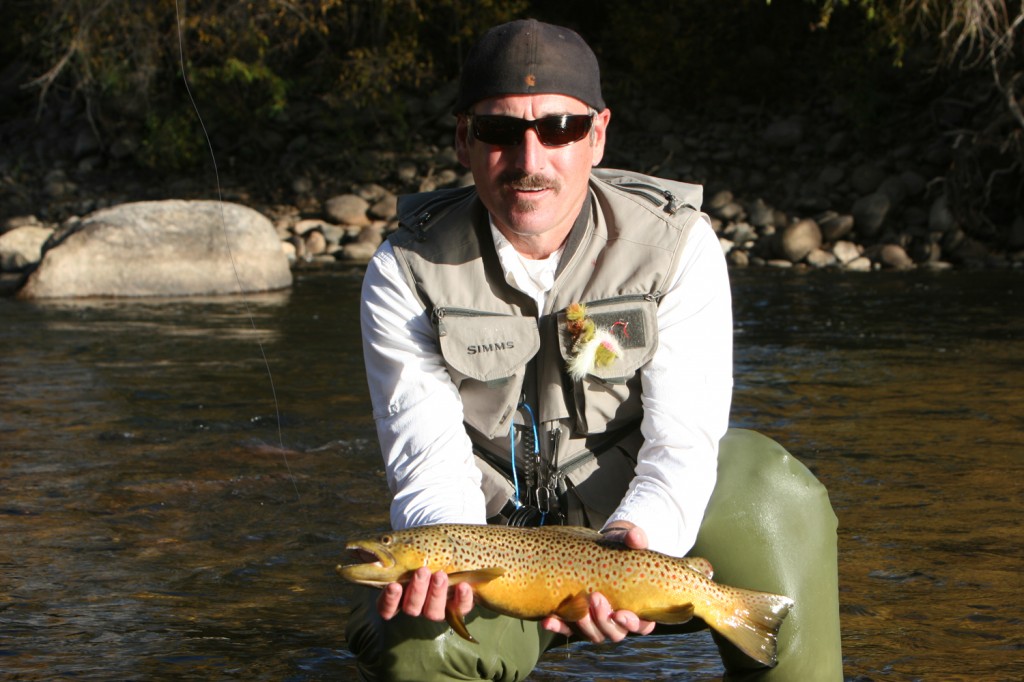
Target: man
554, 345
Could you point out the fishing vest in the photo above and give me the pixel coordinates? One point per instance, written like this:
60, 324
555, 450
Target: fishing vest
509, 360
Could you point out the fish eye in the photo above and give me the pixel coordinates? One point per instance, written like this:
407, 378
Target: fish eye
387, 540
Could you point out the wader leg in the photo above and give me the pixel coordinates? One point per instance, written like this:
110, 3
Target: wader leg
408, 649
769, 526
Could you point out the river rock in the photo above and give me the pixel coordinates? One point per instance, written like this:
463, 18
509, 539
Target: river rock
723, 206
371, 191
866, 178
895, 257
406, 172
14, 222
290, 251
738, 259
913, 182
894, 188
870, 212
819, 258
365, 245
846, 252
798, 239
968, 251
162, 248
760, 213
22, 246
742, 233
783, 134
859, 264
58, 186
940, 218
384, 208
831, 176
731, 211
834, 226
316, 242
302, 185
348, 209
307, 225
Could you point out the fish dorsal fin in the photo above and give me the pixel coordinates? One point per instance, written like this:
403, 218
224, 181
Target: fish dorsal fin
699, 564
477, 575
573, 608
669, 615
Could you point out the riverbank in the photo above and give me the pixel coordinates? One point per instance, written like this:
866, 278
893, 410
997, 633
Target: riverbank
802, 188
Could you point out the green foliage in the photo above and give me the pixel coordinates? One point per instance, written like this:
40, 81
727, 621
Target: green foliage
170, 141
249, 64
254, 74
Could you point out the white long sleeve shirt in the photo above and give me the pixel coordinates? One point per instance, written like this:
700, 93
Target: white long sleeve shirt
686, 394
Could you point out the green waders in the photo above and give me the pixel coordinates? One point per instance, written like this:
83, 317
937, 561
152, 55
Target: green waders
769, 526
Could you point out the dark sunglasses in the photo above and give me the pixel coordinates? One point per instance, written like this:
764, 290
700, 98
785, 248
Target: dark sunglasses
553, 131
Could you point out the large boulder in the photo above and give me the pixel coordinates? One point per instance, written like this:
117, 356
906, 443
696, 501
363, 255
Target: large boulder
163, 248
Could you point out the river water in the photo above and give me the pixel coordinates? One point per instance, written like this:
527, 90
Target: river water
163, 517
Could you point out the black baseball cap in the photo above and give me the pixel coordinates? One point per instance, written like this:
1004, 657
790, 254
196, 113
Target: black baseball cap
528, 57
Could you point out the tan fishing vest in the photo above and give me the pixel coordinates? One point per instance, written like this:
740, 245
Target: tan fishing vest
501, 352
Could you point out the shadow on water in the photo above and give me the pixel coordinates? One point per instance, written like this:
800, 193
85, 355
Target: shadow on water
155, 528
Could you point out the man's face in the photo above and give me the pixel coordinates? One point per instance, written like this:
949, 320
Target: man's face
533, 192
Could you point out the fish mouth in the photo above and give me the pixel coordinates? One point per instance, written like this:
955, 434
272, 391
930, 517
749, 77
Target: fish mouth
363, 554
369, 563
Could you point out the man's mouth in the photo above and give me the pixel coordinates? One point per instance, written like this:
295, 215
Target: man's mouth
530, 184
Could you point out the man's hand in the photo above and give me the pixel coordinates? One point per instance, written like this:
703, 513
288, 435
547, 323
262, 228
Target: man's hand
425, 595
601, 622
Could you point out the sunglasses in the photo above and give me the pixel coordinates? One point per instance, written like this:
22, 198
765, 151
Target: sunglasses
553, 131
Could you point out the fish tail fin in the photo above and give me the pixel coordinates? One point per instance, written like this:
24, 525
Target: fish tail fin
751, 621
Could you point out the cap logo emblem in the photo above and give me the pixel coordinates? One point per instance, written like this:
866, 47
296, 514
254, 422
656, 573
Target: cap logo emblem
531, 80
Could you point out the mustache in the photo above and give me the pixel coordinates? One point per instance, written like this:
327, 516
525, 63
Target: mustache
521, 180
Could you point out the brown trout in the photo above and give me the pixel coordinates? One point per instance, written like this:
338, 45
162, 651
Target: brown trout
531, 573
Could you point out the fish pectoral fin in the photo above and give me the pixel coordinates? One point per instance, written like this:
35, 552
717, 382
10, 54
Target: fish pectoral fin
669, 615
457, 623
478, 575
574, 608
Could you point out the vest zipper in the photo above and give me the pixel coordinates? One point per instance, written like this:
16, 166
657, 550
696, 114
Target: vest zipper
653, 297
440, 312
658, 196
425, 213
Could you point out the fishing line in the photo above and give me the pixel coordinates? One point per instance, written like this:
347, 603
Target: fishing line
231, 256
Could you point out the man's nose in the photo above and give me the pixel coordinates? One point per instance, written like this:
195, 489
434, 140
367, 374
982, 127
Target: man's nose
532, 154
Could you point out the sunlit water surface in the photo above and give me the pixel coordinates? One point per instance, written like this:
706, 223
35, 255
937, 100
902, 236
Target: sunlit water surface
154, 528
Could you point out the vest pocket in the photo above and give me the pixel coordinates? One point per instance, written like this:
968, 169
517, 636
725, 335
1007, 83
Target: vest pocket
608, 388
486, 354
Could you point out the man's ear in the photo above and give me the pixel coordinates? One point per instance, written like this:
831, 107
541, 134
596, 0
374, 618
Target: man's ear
599, 134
